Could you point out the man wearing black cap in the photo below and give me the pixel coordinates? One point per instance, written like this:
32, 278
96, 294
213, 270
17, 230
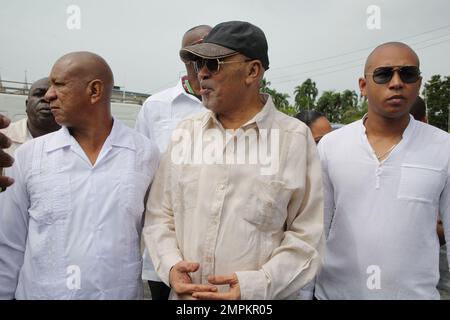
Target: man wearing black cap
221, 228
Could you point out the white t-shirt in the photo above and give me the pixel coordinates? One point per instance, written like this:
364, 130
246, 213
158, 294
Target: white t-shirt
380, 218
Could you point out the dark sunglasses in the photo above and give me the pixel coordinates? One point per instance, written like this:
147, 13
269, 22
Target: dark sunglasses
213, 65
383, 75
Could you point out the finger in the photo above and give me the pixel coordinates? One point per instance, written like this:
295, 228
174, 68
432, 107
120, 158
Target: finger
4, 122
185, 266
212, 295
227, 279
5, 182
5, 142
191, 288
5, 160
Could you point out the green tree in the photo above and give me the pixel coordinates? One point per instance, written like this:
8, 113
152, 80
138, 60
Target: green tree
280, 100
350, 109
305, 95
330, 104
437, 98
349, 100
264, 85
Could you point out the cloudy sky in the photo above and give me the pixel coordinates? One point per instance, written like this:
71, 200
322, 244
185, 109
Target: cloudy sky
327, 40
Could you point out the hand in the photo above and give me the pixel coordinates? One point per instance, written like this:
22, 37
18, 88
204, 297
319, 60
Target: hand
233, 294
181, 282
5, 159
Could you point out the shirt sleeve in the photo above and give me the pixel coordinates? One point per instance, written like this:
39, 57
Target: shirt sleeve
14, 217
144, 121
444, 210
159, 227
297, 259
328, 190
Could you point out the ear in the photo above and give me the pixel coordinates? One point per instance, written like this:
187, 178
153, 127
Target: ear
95, 90
362, 86
254, 72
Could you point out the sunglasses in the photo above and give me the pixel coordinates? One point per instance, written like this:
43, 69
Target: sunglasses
383, 75
213, 65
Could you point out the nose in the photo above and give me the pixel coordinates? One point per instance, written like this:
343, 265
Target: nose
50, 94
44, 98
203, 73
396, 82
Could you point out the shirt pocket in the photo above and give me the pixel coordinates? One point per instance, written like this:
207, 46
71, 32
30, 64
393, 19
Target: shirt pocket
187, 184
50, 200
267, 205
420, 183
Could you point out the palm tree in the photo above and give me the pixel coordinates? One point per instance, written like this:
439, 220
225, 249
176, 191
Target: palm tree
305, 95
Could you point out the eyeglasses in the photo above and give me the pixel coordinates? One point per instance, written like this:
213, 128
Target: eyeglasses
383, 75
213, 65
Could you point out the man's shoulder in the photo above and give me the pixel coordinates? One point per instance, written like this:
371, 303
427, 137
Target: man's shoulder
342, 134
339, 142
16, 128
146, 149
289, 124
433, 134
136, 136
26, 149
196, 119
164, 96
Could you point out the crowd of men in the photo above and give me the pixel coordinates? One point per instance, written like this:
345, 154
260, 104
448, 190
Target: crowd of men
234, 199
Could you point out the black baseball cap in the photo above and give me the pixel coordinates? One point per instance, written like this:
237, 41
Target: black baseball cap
230, 38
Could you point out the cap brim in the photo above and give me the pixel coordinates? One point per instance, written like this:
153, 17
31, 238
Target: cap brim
206, 51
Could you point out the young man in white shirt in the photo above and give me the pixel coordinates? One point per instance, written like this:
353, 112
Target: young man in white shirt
70, 225
156, 120
386, 177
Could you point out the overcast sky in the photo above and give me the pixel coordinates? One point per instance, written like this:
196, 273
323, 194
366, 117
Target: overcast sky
327, 40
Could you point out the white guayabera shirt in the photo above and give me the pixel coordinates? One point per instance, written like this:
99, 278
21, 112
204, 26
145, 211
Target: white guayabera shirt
229, 217
70, 229
158, 117
380, 218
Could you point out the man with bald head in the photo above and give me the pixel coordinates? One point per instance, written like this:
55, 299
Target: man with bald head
158, 117
385, 178
162, 111
39, 120
70, 225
